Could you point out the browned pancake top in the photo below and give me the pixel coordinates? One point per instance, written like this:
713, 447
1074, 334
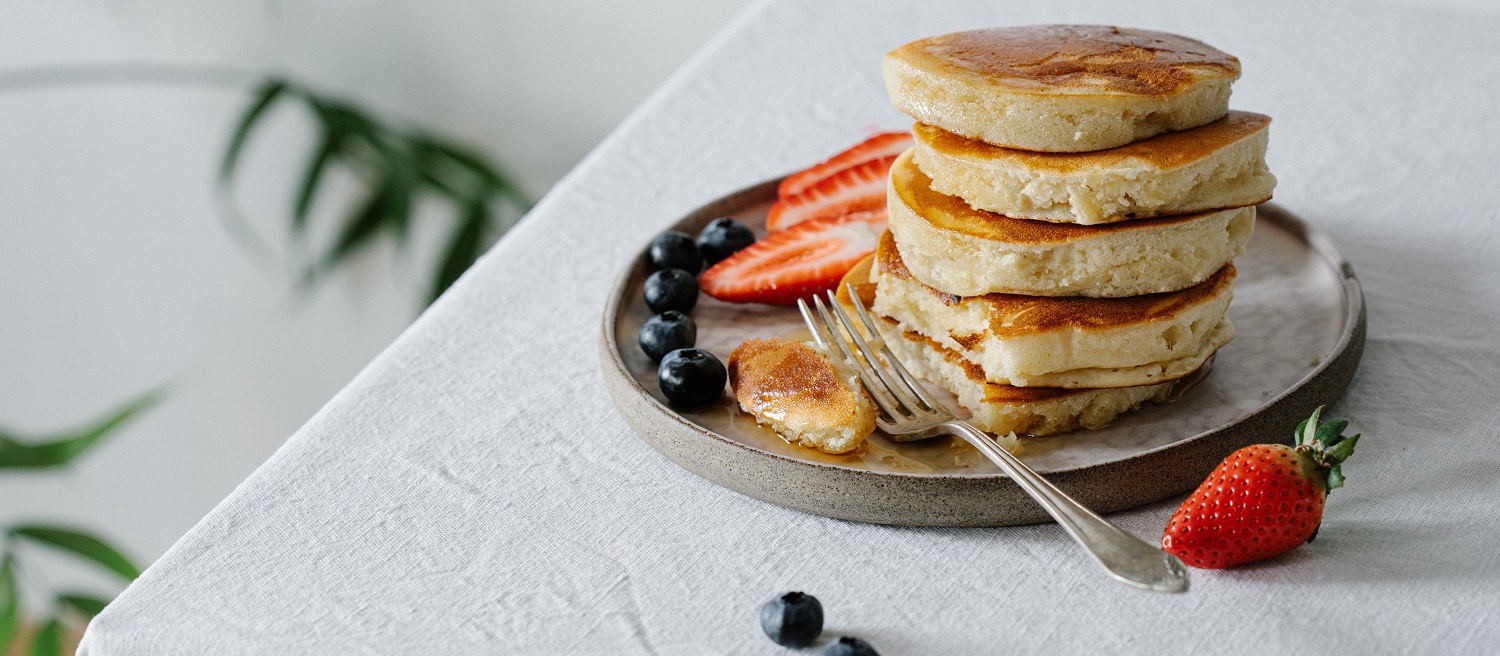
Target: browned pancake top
1164, 151
785, 378
1015, 315
913, 188
1073, 58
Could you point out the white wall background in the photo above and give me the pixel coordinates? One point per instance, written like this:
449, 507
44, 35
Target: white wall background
116, 274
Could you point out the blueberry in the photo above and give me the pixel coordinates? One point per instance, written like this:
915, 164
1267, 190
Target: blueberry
667, 332
793, 619
674, 250
849, 646
722, 237
690, 377
671, 289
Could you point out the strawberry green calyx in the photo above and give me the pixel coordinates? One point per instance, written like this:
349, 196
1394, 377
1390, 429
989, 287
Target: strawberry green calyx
1326, 446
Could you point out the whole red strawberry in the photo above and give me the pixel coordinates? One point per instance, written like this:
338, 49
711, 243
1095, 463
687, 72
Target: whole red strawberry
1262, 501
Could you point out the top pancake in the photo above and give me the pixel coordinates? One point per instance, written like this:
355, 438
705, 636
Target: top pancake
1060, 88
1073, 59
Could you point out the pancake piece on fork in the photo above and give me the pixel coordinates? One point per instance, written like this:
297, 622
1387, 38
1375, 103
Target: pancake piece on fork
805, 396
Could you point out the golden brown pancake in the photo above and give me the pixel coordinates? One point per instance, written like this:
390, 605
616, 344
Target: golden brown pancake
914, 190
1003, 409
1011, 315
1000, 408
957, 249
1070, 342
1060, 88
1164, 151
801, 394
993, 392
1217, 166
1084, 59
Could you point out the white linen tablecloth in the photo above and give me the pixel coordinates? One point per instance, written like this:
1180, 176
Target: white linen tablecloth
474, 491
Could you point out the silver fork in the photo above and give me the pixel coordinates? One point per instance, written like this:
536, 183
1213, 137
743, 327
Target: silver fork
908, 412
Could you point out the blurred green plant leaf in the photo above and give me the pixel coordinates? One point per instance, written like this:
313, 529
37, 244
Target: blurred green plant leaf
333, 137
47, 641
359, 230
10, 603
83, 604
430, 163
399, 167
462, 250
269, 91
400, 190
80, 544
61, 450
460, 155
488, 173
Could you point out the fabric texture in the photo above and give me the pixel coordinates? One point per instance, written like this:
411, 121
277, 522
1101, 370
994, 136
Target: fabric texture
474, 491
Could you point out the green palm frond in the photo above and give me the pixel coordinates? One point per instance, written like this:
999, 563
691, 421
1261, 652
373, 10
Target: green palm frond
55, 452
399, 167
59, 450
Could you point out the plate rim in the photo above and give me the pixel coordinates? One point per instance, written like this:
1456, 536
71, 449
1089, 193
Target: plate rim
1324, 382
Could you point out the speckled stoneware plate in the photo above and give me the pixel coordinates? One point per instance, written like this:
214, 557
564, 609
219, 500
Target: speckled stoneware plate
1301, 324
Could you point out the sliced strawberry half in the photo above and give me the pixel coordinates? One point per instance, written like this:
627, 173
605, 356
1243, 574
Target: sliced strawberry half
808, 258
884, 144
855, 189
875, 216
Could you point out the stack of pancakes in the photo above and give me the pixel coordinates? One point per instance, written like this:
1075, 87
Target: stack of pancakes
1061, 234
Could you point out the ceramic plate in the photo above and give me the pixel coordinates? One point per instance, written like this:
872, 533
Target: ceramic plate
1300, 323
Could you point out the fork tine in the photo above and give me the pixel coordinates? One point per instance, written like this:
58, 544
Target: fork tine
869, 374
885, 352
895, 383
812, 324
827, 337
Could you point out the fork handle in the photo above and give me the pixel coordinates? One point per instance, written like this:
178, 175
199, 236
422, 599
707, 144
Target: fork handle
1126, 557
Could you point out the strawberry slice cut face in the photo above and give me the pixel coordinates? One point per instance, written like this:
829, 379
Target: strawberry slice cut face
855, 189
884, 144
806, 259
